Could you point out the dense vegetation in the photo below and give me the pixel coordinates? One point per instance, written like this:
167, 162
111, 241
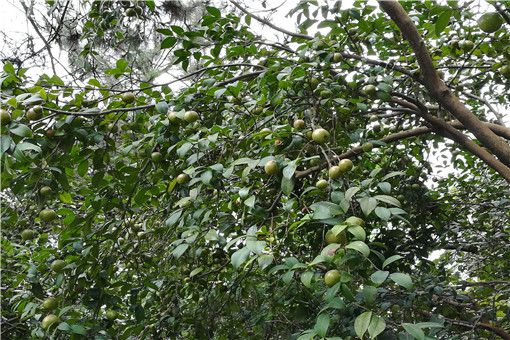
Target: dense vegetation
264, 189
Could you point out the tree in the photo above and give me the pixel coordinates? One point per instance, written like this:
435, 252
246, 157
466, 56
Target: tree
214, 204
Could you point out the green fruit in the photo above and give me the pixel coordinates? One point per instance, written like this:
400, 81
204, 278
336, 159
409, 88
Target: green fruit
415, 186
49, 320
373, 118
314, 82
50, 303
369, 90
321, 184
111, 314
299, 124
271, 167
265, 131
31, 114
156, 157
332, 238
5, 117
337, 57
191, 116
172, 116
130, 12
367, 147
47, 215
128, 97
490, 22
45, 191
466, 45
335, 172
182, 178
355, 221
320, 135
28, 234
138, 10
332, 277
58, 265
505, 71
345, 165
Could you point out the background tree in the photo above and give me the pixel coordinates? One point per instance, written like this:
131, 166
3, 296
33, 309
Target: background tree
283, 189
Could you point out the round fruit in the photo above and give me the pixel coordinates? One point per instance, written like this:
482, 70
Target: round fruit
367, 147
111, 314
47, 215
271, 167
58, 265
332, 277
49, 320
335, 172
337, 57
5, 117
320, 135
373, 118
466, 45
50, 303
130, 12
45, 191
27, 234
332, 238
182, 178
156, 157
50, 133
490, 22
345, 165
415, 186
191, 116
321, 184
505, 71
355, 220
172, 116
38, 109
265, 131
314, 82
31, 114
369, 90
299, 124
128, 97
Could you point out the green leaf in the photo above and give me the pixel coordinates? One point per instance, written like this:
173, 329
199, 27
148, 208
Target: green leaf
162, 107
78, 329
173, 218
402, 279
325, 210
358, 232
250, 201
359, 246
287, 185
379, 277
265, 260
180, 249
442, 21
361, 323
388, 199
383, 213
367, 204
414, 331
385, 187
238, 257
306, 278
391, 259
28, 146
168, 42
376, 327
21, 130
322, 325
213, 11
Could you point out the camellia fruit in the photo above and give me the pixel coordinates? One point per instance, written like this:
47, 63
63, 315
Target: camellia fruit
490, 22
128, 97
271, 167
45, 191
330, 237
332, 277
156, 157
27, 234
320, 135
345, 165
5, 117
299, 124
111, 314
314, 82
466, 45
337, 57
369, 90
58, 265
505, 71
321, 184
31, 114
353, 220
191, 116
47, 215
172, 116
335, 172
367, 147
49, 303
182, 178
49, 320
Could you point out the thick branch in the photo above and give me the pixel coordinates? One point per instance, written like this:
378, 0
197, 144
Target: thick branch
438, 89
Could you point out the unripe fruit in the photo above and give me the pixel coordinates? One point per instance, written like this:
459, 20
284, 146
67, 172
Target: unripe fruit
321, 184
38, 109
156, 157
314, 82
299, 124
47, 215
367, 147
335, 172
355, 220
332, 238
345, 165
172, 116
58, 265
320, 135
369, 90
490, 22
27, 234
505, 71
49, 320
111, 314
50, 303
45, 191
466, 45
182, 178
130, 12
373, 118
128, 97
415, 186
191, 116
332, 277
271, 167
5, 117
337, 57
31, 114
